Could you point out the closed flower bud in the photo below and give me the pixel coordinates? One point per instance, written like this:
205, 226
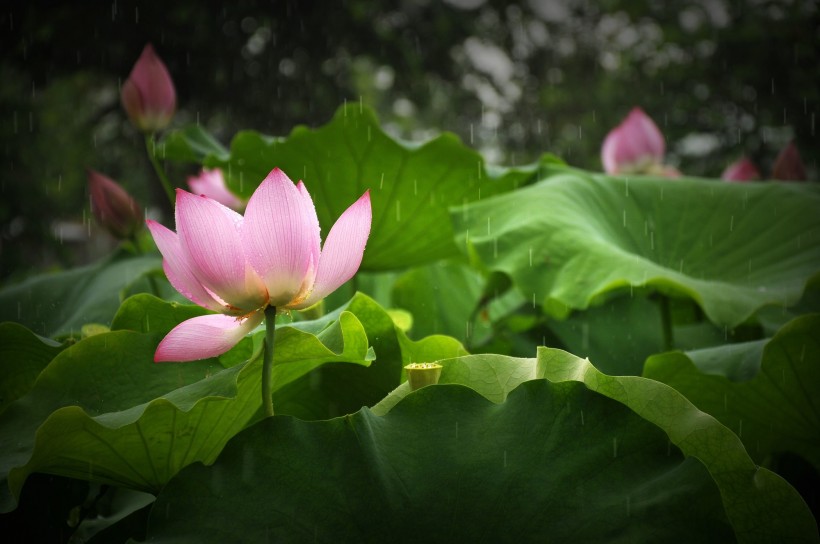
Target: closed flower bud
113, 207
636, 146
741, 170
148, 94
789, 166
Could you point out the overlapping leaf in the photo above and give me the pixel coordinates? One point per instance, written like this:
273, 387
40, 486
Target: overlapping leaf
102, 410
574, 239
776, 408
341, 389
61, 303
445, 465
23, 355
411, 186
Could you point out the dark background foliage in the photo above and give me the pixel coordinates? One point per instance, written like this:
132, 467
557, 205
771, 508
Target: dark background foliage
722, 78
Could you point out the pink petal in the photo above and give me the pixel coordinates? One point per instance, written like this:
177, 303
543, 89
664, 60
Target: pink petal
211, 183
177, 268
316, 239
280, 234
205, 336
209, 236
343, 250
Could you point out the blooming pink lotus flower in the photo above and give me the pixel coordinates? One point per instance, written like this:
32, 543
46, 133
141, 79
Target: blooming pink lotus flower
113, 207
636, 146
789, 165
148, 94
238, 266
212, 184
741, 170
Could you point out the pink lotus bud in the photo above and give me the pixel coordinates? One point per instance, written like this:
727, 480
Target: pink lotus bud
634, 146
789, 165
211, 183
741, 170
113, 206
148, 94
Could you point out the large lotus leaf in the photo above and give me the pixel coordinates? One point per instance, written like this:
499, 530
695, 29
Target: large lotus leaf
102, 410
334, 390
446, 465
411, 185
61, 303
573, 239
750, 493
23, 355
760, 505
778, 409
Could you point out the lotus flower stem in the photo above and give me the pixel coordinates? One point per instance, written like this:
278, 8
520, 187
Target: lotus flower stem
166, 184
267, 361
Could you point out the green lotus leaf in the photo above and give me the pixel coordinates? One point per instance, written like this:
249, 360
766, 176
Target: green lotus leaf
103, 411
23, 355
574, 240
775, 408
446, 465
59, 304
411, 185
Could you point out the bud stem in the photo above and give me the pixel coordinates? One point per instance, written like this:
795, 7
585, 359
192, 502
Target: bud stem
267, 361
163, 179
151, 280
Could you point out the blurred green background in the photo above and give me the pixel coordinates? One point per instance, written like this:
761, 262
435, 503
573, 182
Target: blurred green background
722, 78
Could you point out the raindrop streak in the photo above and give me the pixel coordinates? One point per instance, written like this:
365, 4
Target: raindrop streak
582, 418
624, 217
415, 187
381, 182
472, 138
732, 224
530, 257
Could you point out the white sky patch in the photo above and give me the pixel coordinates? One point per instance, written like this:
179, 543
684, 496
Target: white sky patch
554, 11
697, 144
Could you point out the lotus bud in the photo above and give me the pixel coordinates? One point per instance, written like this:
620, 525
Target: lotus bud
741, 170
634, 146
113, 207
148, 94
212, 184
789, 165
